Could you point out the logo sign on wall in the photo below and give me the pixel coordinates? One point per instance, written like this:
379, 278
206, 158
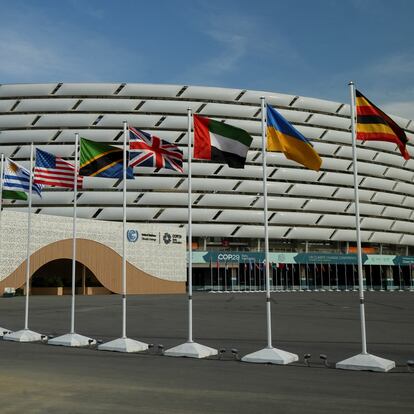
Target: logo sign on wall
132, 235
167, 238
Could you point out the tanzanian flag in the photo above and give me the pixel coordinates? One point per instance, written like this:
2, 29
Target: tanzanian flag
375, 125
101, 160
283, 137
219, 142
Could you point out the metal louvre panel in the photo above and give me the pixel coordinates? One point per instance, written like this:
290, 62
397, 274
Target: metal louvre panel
310, 132
337, 220
366, 209
274, 99
350, 235
339, 178
275, 232
388, 198
81, 212
326, 205
335, 164
330, 121
150, 90
252, 127
395, 160
399, 174
214, 230
398, 212
296, 174
106, 197
382, 237
102, 135
250, 186
87, 89
241, 216
132, 213
66, 151
152, 183
217, 109
378, 183
27, 136
349, 194
362, 153
165, 199
316, 104
16, 121
282, 203
54, 197
66, 120
295, 218
175, 122
279, 159
407, 239
227, 200
209, 184
310, 233
6, 104
139, 121
404, 188
323, 148
179, 107
403, 227
181, 214
207, 92
311, 190
97, 105
341, 137
376, 223
294, 116
45, 105
7, 150
408, 202
251, 171
365, 168
27, 89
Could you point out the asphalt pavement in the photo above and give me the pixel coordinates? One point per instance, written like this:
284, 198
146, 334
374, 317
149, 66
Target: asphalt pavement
39, 378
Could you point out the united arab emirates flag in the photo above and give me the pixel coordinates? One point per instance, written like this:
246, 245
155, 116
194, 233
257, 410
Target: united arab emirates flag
220, 142
101, 160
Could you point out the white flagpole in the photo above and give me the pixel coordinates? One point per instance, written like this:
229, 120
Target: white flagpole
2, 330
124, 344
362, 361
26, 335
29, 229
190, 348
269, 354
73, 339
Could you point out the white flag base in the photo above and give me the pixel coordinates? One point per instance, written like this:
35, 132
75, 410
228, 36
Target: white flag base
3, 331
271, 356
191, 350
123, 345
24, 335
366, 362
72, 339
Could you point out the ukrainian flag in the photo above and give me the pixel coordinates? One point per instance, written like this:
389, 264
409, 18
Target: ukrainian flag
283, 137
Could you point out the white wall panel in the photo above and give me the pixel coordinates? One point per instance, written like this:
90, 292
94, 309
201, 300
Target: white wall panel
81, 212
106, 197
139, 121
6, 104
295, 218
374, 169
27, 135
330, 121
217, 109
383, 237
338, 178
395, 160
153, 183
50, 196
150, 90
397, 212
323, 148
337, 220
226, 200
377, 183
87, 89
241, 216
66, 120
275, 232
278, 158
200, 168
316, 104
366, 209
133, 213
214, 230
407, 240
282, 203
350, 235
181, 214
403, 227
404, 188
388, 198
310, 132
250, 186
168, 107
335, 164
26, 89
296, 174
399, 174
250, 171
349, 194
209, 184
294, 116
310, 233
326, 205
16, 121
166, 199
376, 223
252, 127
217, 94
174, 122
274, 99
340, 137
47, 105
311, 190
407, 202
97, 105
101, 135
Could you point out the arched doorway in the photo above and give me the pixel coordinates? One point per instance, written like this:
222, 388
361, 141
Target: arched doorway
55, 278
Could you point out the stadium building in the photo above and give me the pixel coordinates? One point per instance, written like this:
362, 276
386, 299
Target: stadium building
311, 214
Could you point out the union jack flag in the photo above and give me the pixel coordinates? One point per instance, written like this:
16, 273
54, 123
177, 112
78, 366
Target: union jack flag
147, 150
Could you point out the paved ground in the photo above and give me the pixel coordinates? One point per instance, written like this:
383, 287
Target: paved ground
37, 378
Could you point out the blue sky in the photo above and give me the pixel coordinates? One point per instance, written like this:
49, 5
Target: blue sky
309, 48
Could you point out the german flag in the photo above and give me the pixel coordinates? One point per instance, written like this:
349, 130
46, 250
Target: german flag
101, 160
375, 125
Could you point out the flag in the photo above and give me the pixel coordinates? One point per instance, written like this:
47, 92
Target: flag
220, 142
101, 160
147, 150
54, 171
16, 182
375, 125
283, 137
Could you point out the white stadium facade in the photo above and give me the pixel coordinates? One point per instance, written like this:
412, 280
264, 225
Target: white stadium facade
311, 214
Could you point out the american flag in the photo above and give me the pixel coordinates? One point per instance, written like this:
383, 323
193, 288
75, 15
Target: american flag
147, 150
54, 171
